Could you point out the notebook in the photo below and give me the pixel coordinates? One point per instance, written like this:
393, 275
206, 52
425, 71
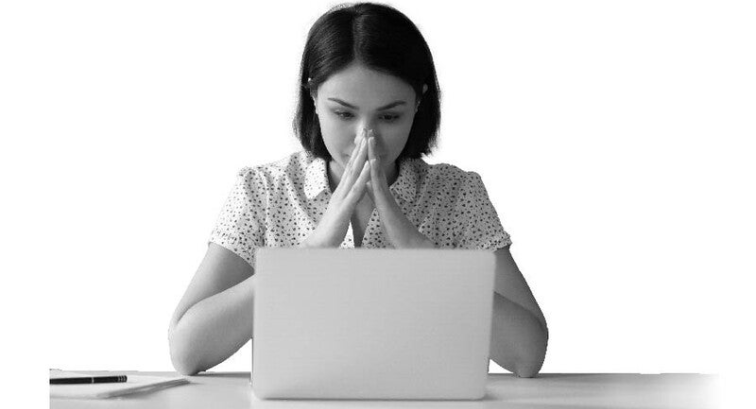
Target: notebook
372, 323
134, 384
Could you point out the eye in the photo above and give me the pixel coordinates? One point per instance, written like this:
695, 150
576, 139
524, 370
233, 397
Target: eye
348, 115
343, 115
391, 118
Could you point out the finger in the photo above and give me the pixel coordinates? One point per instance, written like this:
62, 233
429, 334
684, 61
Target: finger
360, 156
355, 165
353, 156
371, 148
357, 145
360, 136
358, 189
376, 173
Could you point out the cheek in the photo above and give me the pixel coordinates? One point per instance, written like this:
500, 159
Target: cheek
394, 139
337, 138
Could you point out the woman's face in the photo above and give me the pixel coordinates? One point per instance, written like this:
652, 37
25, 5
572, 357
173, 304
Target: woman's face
358, 98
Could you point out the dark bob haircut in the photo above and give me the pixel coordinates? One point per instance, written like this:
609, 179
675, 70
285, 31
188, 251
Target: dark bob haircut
382, 39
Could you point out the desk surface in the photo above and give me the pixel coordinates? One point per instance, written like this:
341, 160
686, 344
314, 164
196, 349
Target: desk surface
547, 390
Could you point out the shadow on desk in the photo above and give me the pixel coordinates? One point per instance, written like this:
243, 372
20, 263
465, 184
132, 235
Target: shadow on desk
547, 390
223, 375
616, 390
554, 391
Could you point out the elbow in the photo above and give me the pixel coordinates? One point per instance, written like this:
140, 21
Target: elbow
182, 358
518, 339
184, 366
536, 355
527, 369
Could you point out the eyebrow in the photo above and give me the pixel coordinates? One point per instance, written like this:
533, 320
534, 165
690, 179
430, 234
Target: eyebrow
383, 108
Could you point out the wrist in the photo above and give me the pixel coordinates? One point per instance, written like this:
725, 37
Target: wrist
423, 242
309, 245
306, 243
313, 242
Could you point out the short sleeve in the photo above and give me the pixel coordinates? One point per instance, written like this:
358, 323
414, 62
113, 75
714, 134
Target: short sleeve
240, 225
480, 227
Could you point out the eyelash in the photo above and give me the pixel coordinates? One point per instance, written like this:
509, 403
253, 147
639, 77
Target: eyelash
342, 115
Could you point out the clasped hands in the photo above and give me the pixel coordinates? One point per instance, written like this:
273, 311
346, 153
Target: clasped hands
364, 174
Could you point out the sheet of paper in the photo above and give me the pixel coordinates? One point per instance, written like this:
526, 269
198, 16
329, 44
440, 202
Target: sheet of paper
57, 373
134, 384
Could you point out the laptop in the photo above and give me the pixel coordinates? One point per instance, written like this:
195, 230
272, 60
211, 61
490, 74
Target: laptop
372, 323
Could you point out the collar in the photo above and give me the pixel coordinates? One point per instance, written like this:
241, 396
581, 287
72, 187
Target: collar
316, 179
405, 185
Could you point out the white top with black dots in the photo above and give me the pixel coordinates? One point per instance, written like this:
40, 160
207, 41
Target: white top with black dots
280, 203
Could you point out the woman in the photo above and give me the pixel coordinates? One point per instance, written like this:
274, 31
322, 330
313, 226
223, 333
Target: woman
368, 110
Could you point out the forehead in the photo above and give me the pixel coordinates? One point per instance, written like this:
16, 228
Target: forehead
365, 87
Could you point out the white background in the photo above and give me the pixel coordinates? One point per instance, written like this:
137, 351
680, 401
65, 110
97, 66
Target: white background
615, 139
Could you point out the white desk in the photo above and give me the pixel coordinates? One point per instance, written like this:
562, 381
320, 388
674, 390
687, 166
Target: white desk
552, 391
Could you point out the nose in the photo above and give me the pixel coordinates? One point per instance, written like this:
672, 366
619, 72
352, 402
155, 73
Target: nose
364, 127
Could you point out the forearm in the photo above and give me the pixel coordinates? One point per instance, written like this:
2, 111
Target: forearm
518, 339
213, 329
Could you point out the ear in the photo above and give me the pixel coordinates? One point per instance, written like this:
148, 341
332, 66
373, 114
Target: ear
313, 95
314, 102
425, 88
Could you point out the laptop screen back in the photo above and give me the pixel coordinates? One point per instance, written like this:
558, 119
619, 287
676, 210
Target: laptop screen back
372, 323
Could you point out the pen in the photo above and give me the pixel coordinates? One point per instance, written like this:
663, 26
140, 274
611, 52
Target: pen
88, 379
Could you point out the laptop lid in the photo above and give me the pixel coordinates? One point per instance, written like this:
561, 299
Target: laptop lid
372, 323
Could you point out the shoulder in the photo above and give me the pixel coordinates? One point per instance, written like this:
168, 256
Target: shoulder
446, 170
448, 176
290, 167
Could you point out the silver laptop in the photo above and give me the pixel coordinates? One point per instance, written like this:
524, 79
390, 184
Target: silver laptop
372, 323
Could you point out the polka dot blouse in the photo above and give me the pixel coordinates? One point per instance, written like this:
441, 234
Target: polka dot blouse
279, 204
